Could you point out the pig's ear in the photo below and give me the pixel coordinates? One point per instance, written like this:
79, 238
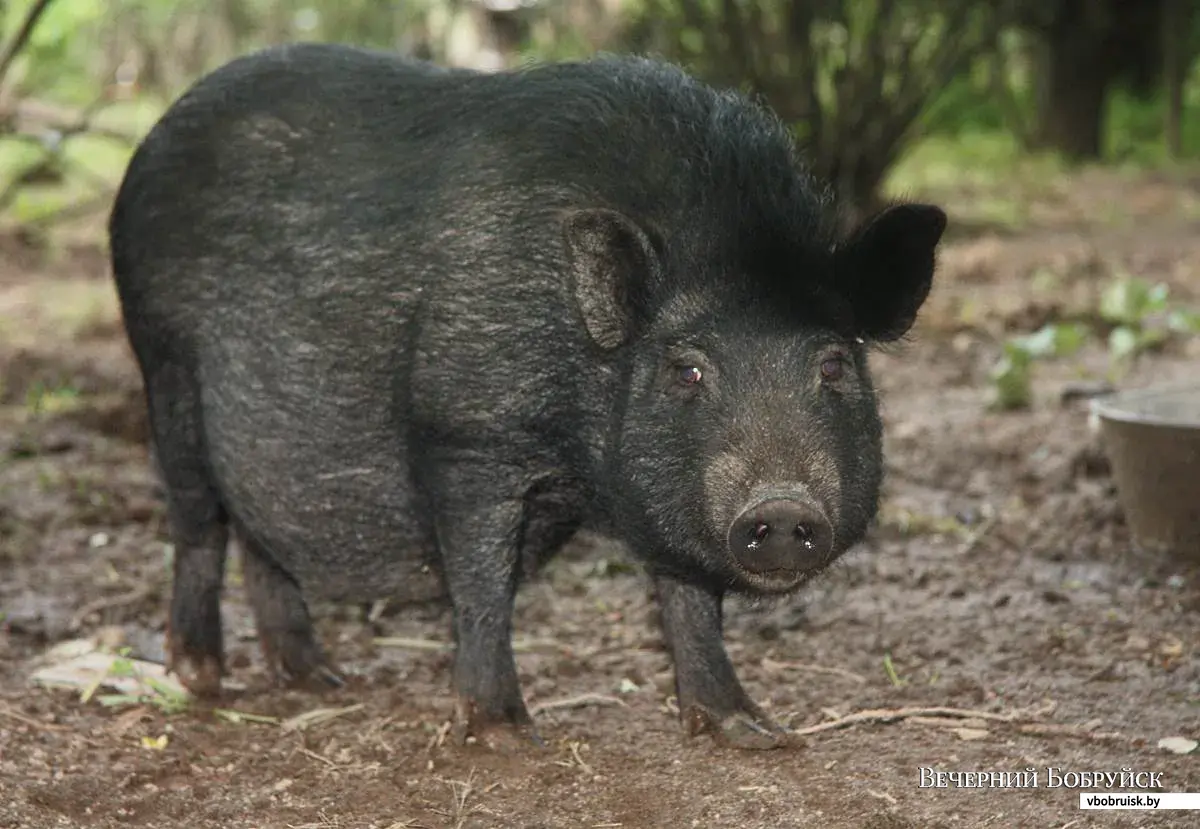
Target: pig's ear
610, 257
886, 268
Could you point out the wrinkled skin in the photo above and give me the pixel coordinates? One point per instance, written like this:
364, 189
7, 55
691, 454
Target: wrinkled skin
405, 330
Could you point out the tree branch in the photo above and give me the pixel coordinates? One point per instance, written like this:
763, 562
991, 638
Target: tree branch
21, 38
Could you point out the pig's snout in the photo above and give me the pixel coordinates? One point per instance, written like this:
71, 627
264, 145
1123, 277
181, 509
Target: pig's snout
781, 536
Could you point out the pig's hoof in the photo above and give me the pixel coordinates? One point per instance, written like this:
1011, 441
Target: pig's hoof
741, 729
320, 677
503, 738
329, 676
299, 662
200, 675
502, 734
198, 670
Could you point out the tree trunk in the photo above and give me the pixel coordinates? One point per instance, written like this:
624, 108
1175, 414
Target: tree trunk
1073, 90
856, 181
1175, 19
1085, 47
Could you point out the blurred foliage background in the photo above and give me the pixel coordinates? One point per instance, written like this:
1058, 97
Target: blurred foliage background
887, 96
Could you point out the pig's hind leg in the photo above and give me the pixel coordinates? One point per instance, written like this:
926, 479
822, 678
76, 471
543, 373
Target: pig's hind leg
285, 629
478, 518
198, 523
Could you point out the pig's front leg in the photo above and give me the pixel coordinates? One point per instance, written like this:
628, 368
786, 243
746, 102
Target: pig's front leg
711, 699
478, 521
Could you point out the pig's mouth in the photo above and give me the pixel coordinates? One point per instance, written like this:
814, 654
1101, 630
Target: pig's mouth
778, 581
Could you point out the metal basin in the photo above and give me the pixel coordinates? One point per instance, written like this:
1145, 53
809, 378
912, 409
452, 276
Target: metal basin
1152, 439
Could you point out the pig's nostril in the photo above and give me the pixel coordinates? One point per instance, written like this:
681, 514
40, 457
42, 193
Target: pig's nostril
760, 532
805, 533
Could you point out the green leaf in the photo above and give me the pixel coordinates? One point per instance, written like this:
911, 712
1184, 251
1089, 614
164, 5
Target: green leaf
892, 674
1040, 343
1152, 338
1054, 340
1130, 301
1069, 338
1184, 322
1156, 298
1117, 301
1016, 352
1012, 383
1122, 342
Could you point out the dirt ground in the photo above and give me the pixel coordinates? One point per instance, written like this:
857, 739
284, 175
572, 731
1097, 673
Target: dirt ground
1000, 580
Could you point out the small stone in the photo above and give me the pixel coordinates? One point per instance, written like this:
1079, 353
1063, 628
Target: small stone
971, 733
1178, 745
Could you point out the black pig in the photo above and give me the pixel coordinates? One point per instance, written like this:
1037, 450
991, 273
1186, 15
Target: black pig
401, 325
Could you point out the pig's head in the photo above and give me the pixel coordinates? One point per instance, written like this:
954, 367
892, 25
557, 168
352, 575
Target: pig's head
749, 439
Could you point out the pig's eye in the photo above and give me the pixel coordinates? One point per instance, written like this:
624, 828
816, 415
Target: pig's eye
833, 368
690, 376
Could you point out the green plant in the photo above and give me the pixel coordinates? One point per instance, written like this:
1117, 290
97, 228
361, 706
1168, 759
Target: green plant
892, 674
1012, 376
162, 696
1141, 317
1138, 317
42, 398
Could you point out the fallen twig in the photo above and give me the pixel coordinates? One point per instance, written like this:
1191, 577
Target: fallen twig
883, 715
439, 737
884, 796
412, 644
29, 721
319, 757
1055, 730
976, 539
582, 763
138, 593
238, 717
318, 716
462, 790
581, 701
518, 645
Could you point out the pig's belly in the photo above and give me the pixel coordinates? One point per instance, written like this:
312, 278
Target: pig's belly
321, 480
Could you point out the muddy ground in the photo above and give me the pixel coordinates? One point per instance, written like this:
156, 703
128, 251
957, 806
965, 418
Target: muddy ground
1000, 580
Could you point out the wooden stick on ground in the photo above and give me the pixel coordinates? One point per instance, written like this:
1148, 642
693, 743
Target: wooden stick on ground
576, 702
882, 715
